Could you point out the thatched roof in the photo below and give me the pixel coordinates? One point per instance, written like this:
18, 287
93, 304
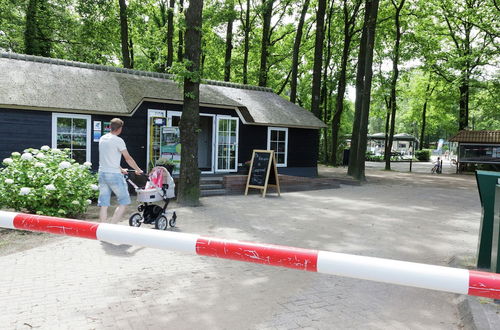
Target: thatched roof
31, 82
490, 137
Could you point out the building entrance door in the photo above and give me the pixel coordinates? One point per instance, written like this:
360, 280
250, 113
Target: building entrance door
227, 144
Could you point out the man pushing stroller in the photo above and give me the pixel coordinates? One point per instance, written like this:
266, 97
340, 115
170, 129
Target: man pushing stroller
111, 150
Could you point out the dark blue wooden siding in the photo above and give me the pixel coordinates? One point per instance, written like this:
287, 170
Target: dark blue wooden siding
21, 129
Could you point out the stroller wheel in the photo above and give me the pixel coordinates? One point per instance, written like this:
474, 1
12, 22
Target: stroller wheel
135, 220
173, 220
161, 223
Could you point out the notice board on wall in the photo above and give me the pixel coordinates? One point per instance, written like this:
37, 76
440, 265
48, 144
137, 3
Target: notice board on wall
263, 172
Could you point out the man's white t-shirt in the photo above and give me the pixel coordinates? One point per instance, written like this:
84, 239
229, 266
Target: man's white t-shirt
110, 153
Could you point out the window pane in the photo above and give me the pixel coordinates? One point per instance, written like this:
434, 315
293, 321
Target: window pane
274, 135
63, 125
281, 135
79, 141
79, 126
63, 141
280, 158
176, 120
281, 147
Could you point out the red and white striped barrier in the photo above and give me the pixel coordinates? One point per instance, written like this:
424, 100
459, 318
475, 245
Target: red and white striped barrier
439, 278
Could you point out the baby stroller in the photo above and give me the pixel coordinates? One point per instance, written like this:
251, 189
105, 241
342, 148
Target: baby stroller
159, 186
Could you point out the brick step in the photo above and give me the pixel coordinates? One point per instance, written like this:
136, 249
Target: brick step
211, 186
212, 192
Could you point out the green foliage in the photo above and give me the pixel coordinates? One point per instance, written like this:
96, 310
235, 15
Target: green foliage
423, 155
47, 182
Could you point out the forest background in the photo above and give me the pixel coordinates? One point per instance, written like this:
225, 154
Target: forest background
438, 58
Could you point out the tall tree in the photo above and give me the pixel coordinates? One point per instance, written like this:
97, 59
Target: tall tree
124, 34
37, 35
324, 97
394, 80
180, 43
363, 92
318, 58
246, 23
468, 44
296, 52
189, 183
229, 40
170, 33
267, 14
349, 15
428, 94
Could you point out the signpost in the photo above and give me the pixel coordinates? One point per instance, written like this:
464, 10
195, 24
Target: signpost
263, 172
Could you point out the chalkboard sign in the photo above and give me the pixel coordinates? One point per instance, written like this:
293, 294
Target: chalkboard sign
263, 171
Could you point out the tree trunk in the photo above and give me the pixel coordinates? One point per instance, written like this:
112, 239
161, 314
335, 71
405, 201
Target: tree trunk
360, 78
170, 34
318, 58
424, 112
395, 75
357, 167
180, 46
30, 40
124, 34
267, 14
189, 183
464, 105
349, 24
247, 44
131, 47
324, 88
296, 51
37, 32
229, 43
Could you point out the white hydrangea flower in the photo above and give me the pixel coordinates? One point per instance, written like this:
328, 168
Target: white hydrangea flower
94, 187
8, 161
40, 155
75, 202
16, 154
88, 164
9, 181
55, 150
45, 148
24, 191
89, 201
38, 164
64, 165
50, 187
27, 156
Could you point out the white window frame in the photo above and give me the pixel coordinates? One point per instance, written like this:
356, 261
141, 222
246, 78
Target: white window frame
220, 117
283, 129
88, 118
152, 113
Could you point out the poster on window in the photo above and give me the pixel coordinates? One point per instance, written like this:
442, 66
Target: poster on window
170, 146
97, 131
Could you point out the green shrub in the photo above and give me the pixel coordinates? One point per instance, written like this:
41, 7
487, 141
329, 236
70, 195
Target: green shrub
47, 182
423, 155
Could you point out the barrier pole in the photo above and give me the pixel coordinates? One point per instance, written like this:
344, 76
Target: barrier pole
447, 279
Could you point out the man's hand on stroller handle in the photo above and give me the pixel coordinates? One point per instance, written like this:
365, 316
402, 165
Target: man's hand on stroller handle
137, 172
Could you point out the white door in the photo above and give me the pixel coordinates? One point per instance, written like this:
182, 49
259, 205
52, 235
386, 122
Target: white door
227, 144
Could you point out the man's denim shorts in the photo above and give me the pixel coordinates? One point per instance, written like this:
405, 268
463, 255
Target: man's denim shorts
112, 182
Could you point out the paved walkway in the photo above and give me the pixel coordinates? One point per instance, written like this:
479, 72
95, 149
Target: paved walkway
83, 284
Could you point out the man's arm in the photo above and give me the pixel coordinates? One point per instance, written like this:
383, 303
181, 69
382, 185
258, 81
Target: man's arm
131, 161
